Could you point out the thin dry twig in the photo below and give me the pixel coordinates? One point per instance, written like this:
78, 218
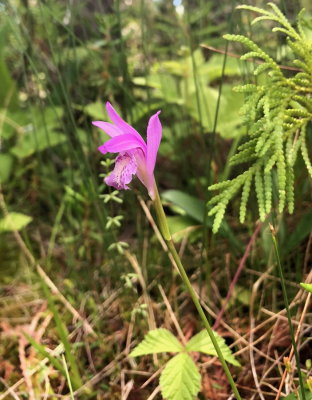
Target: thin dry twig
22, 342
130, 332
10, 390
254, 292
307, 254
151, 378
272, 278
154, 394
228, 53
293, 321
41, 272
276, 363
107, 370
125, 387
237, 274
172, 315
135, 265
67, 304
305, 309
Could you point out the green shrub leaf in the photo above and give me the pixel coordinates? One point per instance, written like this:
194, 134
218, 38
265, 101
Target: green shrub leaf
180, 380
202, 343
157, 341
193, 207
307, 286
14, 222
41, 133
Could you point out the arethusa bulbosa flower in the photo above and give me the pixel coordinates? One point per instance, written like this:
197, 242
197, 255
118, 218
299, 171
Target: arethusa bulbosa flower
135, 156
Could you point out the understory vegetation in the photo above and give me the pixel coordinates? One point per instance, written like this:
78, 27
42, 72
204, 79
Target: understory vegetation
92, 304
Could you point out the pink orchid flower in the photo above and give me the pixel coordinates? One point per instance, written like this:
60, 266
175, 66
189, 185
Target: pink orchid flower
135, 156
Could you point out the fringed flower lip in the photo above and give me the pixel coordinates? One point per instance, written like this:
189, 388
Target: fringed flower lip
135, 156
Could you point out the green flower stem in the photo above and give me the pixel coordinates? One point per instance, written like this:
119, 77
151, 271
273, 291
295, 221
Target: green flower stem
161, 216
286, 302
164, 229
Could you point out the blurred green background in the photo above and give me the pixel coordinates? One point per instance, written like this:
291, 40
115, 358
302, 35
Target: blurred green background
60, 61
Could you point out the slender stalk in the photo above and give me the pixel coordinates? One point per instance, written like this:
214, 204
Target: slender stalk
68, 378
64, 335
161, 216
286, 302
212, 146
163, 226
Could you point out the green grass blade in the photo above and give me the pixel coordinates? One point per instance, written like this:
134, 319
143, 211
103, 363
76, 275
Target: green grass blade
41, 349
68, 378
63, 335
286, 302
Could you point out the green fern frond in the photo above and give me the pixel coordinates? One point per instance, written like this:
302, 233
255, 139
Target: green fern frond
277, 114
268, 189
244, 199
290, 193
255, 9
260, 193
305, 153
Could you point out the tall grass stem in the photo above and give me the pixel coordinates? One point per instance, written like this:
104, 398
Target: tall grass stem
286, 302
68, 378
63, 334
163, 225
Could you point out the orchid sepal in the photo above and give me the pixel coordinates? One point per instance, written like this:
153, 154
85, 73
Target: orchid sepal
136, 157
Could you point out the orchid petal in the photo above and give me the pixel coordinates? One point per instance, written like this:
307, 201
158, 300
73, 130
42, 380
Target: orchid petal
135, 156
125, 168
154, 133
111, 129
121, 143
122, 125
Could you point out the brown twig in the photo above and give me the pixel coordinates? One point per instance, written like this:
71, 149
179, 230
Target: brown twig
286, 67
44, 276
152, 377
254, 292
172, 315
305, 308
135, 265
237, 274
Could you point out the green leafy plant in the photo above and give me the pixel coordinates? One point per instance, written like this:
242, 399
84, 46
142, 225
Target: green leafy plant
113, 223
277, 113
307, 286
14, 221
180, 378
173, 82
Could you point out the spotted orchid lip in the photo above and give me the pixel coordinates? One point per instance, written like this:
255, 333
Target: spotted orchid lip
135, 156
125, 168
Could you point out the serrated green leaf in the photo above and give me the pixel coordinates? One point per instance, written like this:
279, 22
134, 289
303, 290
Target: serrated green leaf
202, 343
157, 341
14, 222
307, 286
295, 396
180, 380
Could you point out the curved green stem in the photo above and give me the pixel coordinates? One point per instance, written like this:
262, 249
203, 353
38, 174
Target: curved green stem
163, 226
286, 302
